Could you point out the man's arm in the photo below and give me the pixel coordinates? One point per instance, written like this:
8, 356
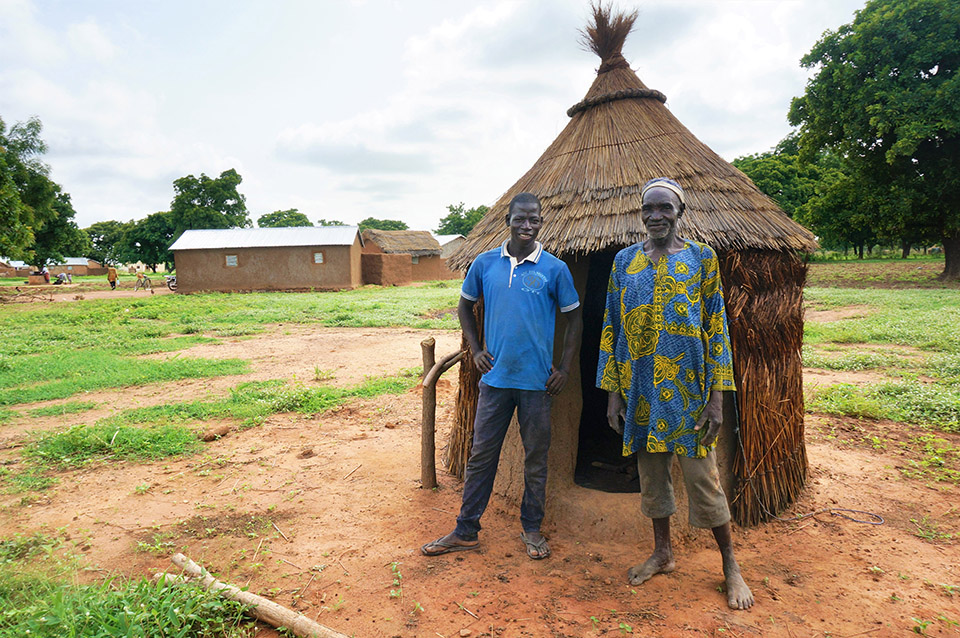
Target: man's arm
571, 341
468, 323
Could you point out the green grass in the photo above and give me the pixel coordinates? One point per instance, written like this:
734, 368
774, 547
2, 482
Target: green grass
924, 319
39, 598
935, 405
60, 409
42, 378
117, 324
853, 361
53, 351
250, 403
84, 443
7, 415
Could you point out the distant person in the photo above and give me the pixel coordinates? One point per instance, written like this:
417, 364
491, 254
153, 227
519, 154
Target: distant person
665, 362
61, 279
46, 274
522, 287
112, 277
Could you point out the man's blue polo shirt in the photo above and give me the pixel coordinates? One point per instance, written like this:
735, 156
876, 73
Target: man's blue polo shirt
519, 312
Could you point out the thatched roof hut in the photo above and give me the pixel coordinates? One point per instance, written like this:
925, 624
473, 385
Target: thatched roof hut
589, 182
416, 243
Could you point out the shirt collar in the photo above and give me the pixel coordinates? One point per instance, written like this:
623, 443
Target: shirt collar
534, 256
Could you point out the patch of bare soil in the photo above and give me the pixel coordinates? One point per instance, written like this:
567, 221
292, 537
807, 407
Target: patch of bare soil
837, 314
885, 273
817, 378
341, 494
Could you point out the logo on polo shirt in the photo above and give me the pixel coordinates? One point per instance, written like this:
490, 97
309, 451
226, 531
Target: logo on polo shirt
533, 281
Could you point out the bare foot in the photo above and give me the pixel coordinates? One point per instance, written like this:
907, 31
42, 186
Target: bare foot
656, 564
739, 595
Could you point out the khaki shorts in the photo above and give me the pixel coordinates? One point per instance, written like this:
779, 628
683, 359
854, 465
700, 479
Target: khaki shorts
707, 503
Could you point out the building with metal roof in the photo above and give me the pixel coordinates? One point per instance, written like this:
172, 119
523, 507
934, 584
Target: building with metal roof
246, 259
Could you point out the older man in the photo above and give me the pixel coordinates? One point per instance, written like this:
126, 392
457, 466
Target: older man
665, 361
522, 287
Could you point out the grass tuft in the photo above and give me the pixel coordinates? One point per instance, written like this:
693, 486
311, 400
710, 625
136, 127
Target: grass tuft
60, 409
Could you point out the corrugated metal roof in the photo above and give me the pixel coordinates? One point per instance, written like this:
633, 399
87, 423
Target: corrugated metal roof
72, 261
265, 237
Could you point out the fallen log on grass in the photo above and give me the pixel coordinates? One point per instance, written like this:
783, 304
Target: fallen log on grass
259, 607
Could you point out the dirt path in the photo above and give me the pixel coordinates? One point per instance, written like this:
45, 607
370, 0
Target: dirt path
343, 488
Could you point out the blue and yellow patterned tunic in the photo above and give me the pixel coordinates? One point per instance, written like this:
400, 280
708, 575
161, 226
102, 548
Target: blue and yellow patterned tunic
665, 345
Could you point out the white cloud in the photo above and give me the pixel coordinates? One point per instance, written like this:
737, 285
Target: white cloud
23, 38
88, 39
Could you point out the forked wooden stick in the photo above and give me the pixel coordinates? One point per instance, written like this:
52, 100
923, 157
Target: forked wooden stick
259, 607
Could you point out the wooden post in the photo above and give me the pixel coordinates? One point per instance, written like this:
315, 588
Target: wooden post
260, 608
427, 346
428, 420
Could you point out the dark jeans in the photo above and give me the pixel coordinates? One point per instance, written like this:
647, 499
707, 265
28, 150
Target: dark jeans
494, 410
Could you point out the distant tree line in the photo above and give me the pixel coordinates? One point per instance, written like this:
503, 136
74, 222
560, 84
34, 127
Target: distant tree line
875, 155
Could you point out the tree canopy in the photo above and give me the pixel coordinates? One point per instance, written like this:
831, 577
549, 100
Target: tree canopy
148, 239
283, 219
817, 193
205, 202
460, 220
382, 224
36, 216
330, 222
106, 241
886, 100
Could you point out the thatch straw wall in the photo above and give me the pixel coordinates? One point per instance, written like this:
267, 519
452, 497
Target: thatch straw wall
764, 299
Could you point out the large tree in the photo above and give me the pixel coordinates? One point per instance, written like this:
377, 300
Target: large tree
106, 241
148, 240
283, 219
206, 202
816, 192
16, 233
36, 216
382, 224
886, 99
59, 236
461, 220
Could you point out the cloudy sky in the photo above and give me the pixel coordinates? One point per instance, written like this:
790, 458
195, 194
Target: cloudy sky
346, 109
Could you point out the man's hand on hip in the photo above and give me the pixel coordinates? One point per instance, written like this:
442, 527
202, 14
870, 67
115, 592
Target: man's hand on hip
484, 361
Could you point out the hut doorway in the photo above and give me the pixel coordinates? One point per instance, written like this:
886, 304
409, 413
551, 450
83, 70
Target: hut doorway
600, 461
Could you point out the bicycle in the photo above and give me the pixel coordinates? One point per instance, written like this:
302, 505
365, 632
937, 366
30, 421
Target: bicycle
142, 283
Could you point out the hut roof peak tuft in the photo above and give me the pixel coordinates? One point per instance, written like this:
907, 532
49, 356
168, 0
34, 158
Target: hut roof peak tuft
606, 34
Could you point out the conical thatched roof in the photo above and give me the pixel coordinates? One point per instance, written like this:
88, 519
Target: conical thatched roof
619, 137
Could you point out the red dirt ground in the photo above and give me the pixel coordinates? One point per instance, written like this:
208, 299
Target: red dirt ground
343, 490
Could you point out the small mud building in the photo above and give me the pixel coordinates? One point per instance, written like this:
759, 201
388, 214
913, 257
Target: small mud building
589, 181
397, 257
243, 259
77, 266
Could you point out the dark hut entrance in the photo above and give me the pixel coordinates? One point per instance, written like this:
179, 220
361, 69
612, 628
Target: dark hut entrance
600, 461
